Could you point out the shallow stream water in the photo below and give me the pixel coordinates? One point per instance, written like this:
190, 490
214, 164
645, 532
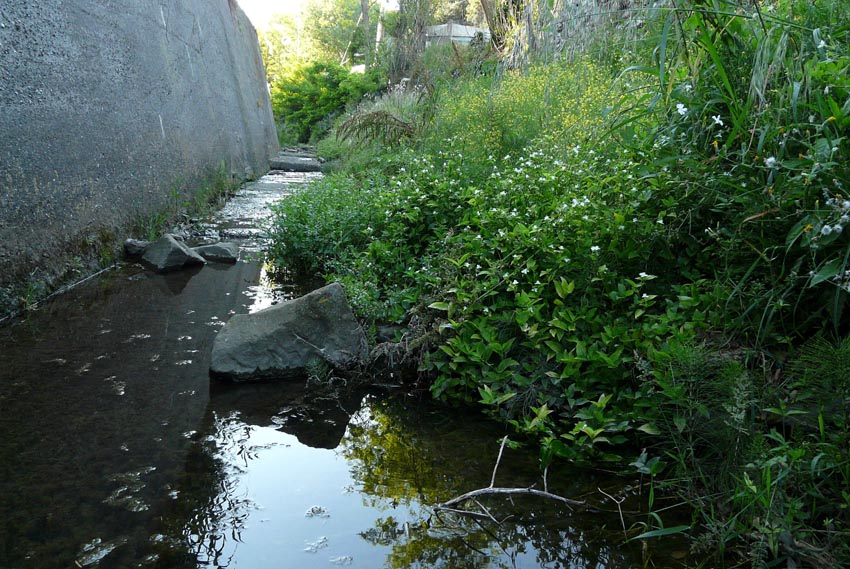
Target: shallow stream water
118, 451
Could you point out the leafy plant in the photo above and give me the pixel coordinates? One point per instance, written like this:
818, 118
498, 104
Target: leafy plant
312, 93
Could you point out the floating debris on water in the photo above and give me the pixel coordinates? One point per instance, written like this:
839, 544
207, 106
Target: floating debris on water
96, 550
317, 512
135, 337
130, 484
315, 546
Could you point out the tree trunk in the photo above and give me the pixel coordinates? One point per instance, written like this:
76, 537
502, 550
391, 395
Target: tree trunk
501, 16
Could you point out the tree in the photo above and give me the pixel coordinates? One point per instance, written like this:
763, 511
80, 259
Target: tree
502, 17
283, 45
310, 94
450, 11
337, 28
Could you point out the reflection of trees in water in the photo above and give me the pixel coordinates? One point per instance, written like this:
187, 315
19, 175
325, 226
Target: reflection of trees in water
208, 516
402, 458
450, 541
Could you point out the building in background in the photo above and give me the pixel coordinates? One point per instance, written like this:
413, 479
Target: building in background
454, 33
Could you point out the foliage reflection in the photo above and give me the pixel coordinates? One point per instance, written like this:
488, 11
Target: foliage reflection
407, 460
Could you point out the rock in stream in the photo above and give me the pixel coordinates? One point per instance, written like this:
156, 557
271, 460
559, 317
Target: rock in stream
279, 342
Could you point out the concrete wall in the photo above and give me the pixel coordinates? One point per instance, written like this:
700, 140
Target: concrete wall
108, 106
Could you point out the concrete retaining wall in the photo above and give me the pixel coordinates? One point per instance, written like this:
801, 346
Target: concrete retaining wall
109, 107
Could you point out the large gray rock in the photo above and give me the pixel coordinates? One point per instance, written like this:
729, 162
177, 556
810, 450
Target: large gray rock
167, 254
219, 252
278, 342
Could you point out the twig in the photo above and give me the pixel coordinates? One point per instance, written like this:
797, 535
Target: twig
495, 537
619, 509
472, 547
469, 513
486, 511
509, 492
498, 460
57, 292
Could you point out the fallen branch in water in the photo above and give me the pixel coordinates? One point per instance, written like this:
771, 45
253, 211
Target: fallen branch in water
508, 491
452, 504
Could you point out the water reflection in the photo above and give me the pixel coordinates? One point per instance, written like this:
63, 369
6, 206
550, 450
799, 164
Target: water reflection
102, 391
268, 496
400, 469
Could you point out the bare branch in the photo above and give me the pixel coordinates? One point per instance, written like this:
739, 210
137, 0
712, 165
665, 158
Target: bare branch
509, 492
498, 460
619, 508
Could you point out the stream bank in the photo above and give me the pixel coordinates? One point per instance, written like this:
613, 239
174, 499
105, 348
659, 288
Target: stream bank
119, 452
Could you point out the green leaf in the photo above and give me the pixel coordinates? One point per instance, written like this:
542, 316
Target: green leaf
826, 272
564, 288
444, 306
661, 532
649, 429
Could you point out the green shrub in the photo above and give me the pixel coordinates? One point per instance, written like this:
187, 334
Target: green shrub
317, 91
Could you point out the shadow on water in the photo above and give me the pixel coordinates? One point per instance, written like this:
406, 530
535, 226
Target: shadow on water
117, 451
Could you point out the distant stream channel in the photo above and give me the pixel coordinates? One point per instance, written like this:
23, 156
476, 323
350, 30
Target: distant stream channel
118, 451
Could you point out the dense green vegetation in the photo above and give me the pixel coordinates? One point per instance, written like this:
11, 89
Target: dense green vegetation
309, 57
635, 256
314, 92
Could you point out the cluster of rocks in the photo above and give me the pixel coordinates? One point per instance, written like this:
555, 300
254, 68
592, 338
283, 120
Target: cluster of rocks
279, 342
167, 254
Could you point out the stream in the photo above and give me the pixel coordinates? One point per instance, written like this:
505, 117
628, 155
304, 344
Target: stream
118, 451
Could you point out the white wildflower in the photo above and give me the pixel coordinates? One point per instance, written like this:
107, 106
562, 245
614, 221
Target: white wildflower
717, 120
770, 162
681, 109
